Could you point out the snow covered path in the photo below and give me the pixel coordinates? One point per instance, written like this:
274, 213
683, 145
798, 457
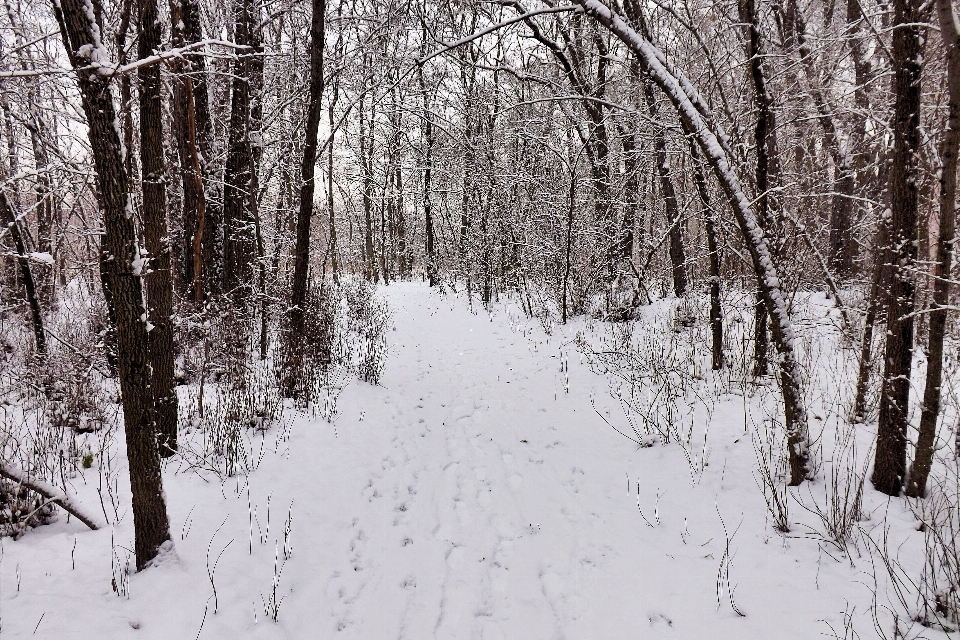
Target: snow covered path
469, 497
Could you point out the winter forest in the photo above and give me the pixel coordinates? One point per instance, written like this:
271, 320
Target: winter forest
560, 319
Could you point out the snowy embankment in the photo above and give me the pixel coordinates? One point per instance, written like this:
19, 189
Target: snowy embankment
475, 494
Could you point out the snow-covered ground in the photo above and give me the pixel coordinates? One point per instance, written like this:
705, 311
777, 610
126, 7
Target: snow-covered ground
475, 494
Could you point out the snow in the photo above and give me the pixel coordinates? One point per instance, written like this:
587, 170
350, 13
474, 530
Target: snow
474, 494
41, 256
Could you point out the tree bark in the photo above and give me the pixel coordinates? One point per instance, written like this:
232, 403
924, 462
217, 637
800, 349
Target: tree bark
890, 461
238, 223
209, 218
81, 36
159, 279
191, 172
880, 275
427, 169
301, 264
930, 409
366, 163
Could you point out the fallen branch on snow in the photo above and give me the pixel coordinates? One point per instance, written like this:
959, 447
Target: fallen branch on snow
50, 492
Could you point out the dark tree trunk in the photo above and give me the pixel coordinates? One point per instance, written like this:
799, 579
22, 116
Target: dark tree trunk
427, 169
678, 258
9, 218
126, 101
151, 526
158, 278
768, 168
191, 172
301, 264
930, 410
238, 218
890, 462
710, 224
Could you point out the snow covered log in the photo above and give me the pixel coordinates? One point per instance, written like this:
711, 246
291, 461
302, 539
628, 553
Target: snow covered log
692, 112
51, 493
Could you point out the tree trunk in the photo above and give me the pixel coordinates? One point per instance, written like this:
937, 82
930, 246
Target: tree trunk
930, 410
890, 462
209, 220
768, 167
191, 172
159, 280
334, 250
880, 275
427, 169
301, 264
81, 38
678, 258
631, 190
710, 224
9, 218
238, 223
366, 162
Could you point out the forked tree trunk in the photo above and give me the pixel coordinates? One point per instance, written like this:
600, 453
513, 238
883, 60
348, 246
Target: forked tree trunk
890, 462
159, 280
930, 410
81, 39
696, 118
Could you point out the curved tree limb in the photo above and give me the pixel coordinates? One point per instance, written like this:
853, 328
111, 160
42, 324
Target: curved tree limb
51, 493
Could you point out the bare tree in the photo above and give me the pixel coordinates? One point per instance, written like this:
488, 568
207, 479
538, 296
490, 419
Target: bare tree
82, 40
930, 409
889, 471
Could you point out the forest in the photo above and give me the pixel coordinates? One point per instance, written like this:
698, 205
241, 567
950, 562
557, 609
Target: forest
315, 272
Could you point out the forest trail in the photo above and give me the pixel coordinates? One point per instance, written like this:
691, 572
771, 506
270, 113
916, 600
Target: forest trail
469, 496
